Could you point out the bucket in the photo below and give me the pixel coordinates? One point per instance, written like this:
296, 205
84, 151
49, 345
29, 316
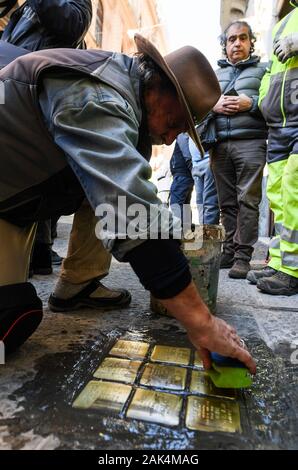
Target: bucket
202, 248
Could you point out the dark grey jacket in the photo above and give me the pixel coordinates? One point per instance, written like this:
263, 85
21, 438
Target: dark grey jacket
47, 24
244, 78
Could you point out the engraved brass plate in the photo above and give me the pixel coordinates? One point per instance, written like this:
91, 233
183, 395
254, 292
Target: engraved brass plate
201, 383
171, 354
162, 376
157, 407
130, 349
212, 415
103, 395
198, 361
121, 370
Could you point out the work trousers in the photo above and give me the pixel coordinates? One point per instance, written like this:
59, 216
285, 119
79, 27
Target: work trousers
282, 191
86, 257
238, 170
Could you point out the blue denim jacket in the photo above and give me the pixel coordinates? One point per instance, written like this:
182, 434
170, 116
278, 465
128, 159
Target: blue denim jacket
97, 126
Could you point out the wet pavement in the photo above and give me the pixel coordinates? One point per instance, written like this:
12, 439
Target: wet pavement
40, 382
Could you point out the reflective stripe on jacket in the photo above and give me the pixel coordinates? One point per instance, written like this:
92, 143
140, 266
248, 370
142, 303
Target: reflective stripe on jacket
279, 89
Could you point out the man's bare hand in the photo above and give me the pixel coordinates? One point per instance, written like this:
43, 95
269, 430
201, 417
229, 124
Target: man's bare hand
206, 332
230, 105
220, 337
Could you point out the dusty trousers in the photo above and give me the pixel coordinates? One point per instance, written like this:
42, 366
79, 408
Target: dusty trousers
238, 170
86, 257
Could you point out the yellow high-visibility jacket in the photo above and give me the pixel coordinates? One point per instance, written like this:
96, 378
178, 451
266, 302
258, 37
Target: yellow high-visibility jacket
278, 98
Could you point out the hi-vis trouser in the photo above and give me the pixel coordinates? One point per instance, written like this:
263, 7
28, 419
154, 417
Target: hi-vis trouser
282, 191
278, 102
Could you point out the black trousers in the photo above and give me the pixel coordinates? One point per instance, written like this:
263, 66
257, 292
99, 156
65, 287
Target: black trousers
238, 170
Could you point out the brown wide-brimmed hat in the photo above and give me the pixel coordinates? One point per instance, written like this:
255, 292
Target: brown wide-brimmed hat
193, 77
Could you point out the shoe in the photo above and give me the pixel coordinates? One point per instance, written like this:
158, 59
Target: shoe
226, 261
254, 275
56, 259
41, 262
106, 298
240, 269
279, 284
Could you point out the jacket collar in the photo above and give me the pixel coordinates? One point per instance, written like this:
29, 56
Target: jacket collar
252, 60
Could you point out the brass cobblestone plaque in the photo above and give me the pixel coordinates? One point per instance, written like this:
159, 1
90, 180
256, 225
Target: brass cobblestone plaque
162, 376
201, 383
212, 415
198, 361
103, 395
129, 349
171, 354
121, 370
157, 407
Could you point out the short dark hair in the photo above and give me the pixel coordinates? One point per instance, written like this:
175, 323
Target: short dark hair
224, 36
153, 77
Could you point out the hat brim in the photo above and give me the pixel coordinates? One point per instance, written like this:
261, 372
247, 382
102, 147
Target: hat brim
144, 46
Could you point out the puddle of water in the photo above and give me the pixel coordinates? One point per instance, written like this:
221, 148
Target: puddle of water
268, 411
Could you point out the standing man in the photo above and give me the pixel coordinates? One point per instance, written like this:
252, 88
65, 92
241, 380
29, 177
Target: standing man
279, 105
189, 169
90, 135
239, 156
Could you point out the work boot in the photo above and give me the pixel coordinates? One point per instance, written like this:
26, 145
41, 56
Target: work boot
255, 274
226, 261
240, 269
92, 294
41, 261
279, 284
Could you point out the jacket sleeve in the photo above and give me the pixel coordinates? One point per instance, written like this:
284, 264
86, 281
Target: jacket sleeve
68, 19
264, 88
98, 132
255, 105
265, 84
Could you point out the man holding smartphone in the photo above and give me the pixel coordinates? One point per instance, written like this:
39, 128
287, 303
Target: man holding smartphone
239, 155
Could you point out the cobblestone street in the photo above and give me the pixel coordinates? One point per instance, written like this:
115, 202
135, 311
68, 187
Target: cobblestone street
40, 382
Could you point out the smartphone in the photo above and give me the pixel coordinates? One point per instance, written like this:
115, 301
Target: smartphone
231, 92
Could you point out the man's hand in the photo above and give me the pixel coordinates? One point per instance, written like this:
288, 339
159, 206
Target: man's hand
230, 105
286, 48
206, 332
222, 338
